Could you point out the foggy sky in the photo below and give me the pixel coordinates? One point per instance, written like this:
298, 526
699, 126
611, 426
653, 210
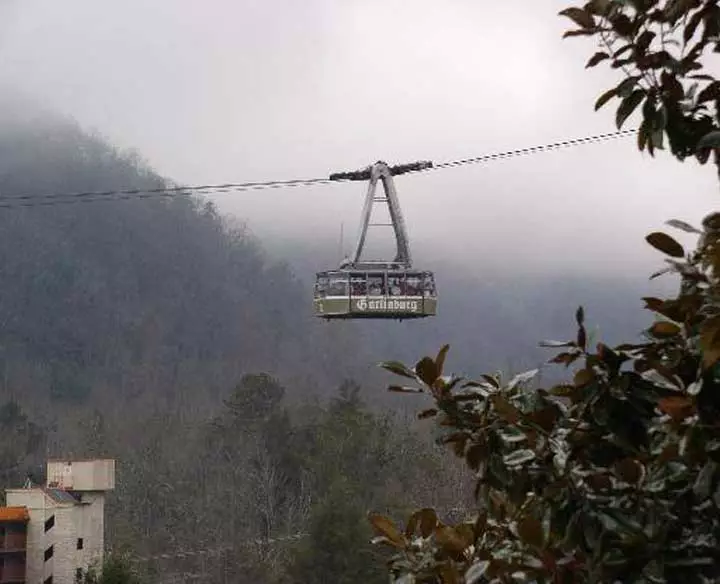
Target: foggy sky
239, 90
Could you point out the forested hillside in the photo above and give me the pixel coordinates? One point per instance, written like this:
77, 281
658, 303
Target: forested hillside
151, 295
159, 333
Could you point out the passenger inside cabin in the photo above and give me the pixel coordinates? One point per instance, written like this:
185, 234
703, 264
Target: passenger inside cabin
394, 286
413, 286
359, 287
375, 285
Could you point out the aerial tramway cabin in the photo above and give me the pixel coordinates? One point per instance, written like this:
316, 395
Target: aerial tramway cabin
381, 289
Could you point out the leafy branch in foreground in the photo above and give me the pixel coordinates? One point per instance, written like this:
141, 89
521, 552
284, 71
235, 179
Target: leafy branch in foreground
611, 476
659, 46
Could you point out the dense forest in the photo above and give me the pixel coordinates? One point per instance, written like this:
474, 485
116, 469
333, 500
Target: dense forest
162, 334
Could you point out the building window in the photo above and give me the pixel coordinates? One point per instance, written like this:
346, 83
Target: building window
79, 575
80, 543
49, 553
48, 580
49, 523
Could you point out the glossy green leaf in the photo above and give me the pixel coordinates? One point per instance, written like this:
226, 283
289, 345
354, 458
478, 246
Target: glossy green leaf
440, 359
710, 140
579, 16
605, 97
628, 106
398, 369
427, 370
682, 225
598, 57
519, 457
665, 244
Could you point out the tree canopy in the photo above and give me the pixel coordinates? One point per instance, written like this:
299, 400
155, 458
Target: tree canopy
614, 473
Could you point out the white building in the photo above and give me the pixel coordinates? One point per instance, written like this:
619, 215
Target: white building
65, 532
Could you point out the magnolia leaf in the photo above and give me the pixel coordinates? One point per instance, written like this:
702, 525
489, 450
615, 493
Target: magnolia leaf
449, 574
427, 370
677, 224
660, 273
664, 329
449, 540
492, 380
440, 359
519, 457
704, 480
695, 387
476, 453
597, 58
398, 369
710, 93
476, 572
665, 244
628, 106
581, 32
403, 389
710, 140
429, 413
412, 524
677, 407
566, 359
582, 337
530, 531
710, 342
385, 527
522, 378
605, 97
583, 377
630, 471
428, 521
579, 16
506, 410
557, 344
512, 435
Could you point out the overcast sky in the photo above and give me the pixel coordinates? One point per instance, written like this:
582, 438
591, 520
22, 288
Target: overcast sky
237, 90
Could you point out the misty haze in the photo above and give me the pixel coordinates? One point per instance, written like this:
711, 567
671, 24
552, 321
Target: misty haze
174, 330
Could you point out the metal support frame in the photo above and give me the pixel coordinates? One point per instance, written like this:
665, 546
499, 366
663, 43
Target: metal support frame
380, 172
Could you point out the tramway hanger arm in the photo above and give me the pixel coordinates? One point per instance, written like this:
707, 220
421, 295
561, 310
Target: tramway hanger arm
381, 172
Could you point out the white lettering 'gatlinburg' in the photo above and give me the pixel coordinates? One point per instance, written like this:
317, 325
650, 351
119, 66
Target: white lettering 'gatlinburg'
387, 305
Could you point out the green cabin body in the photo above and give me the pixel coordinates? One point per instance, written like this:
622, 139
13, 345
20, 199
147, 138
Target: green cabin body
396, 294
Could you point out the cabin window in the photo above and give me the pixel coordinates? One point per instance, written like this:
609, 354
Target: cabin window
321, 286
358, 285
413, 285
429, 286
376, 285
337, 287
395, 285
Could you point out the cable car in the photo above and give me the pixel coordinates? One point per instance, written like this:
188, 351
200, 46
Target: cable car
378, 289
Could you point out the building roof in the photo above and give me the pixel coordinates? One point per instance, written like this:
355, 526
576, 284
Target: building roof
14, 515
61, 496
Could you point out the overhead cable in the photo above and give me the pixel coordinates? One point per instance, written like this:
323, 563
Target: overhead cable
52, 199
